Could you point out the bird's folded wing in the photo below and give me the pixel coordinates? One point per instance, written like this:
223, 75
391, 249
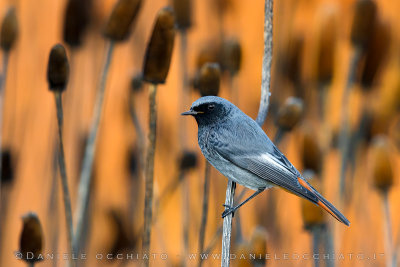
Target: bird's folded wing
271, 165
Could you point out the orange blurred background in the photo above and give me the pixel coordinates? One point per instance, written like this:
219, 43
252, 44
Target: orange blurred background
29, 128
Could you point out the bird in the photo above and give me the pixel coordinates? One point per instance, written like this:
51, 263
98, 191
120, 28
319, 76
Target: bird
234, 144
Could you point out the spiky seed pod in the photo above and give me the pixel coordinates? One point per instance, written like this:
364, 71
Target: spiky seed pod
363, 22
376, 54
290, 65
311, 152
231, 56
290, 113
242, 251
311, 213
122, 17
183, 13
7, 167
326, 48
188, 161
9, 30
76, 20
58, 68
159, 50
31, 238
209, 53
208, 79
382, 168
258, 245
137, 82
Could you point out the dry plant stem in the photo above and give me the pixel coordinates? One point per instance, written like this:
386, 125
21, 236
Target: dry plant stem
185, 214
139, 131
227, 225
3, 78
344, 138
267, 63
316, 238
149, 178
87, 167
204, 211
262, 114
63, 174
390, 257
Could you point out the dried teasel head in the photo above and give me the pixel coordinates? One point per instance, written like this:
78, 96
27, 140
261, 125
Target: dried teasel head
326, 46
364, 18
58, 68
311, 151
208, 79
122, 17
239, 249
290, 113
188, 160
382, 167
9, 30
159, 50
183, 13
311, 213
31, 238
231, 56
258, 245
208, 53
376, 54
76, 20
7, 167
291, 58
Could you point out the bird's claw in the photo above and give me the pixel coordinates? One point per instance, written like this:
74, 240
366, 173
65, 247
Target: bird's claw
228, 211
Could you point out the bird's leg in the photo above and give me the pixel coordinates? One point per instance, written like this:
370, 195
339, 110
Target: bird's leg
230, 209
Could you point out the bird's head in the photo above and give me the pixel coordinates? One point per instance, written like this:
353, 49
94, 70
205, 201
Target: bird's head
210, 109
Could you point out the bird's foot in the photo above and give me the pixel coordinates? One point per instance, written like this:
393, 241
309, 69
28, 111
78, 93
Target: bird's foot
229, 209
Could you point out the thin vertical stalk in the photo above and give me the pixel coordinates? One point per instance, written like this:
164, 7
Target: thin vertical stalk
388, 231
87, 167
344, 140
227, 225
3, 78
204, 211
63, 173
139, 131
262, 114
316, 237
148, 197
183, 138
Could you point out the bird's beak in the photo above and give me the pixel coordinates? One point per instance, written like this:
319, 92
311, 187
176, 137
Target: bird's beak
191, 112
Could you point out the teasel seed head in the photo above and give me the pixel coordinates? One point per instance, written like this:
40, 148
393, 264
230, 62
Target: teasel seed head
290, 113
122, 17
58, 68
363, 22
208, 79
311, 213
76, 20
7, 167
231, 56
382, 168
9, 30
209, 53
31, 238
258, 245
183, 13
159, 50
376, 54
311, 152
326, 48
188, 160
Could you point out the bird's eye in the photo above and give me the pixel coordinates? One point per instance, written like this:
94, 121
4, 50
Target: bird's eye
211, 107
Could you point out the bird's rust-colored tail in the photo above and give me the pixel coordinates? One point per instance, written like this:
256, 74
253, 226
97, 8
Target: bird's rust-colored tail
323, 203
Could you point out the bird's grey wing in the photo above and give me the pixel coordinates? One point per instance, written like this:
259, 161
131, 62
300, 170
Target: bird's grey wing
252, 150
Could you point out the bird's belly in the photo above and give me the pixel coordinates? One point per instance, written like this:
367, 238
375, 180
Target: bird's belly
239, 175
